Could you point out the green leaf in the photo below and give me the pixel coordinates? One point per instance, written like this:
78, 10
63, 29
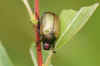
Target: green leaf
45, 55
66, 17
72, 22
33, 54
4, 59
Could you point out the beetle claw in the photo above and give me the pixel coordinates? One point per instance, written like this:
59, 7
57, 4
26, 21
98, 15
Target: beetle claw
54, 51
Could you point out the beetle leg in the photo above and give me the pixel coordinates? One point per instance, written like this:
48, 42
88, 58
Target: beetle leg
53, 48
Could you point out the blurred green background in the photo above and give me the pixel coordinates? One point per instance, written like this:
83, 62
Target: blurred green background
16, 33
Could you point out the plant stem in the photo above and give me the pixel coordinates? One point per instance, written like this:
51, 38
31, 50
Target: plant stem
34, 19
37, 29
31, 14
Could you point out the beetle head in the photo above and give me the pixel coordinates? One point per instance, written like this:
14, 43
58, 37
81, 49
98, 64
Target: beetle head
46, 46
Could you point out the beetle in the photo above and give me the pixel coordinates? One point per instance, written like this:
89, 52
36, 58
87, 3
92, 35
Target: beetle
49, 30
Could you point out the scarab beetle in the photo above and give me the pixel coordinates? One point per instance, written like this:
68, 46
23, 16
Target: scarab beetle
49, 30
